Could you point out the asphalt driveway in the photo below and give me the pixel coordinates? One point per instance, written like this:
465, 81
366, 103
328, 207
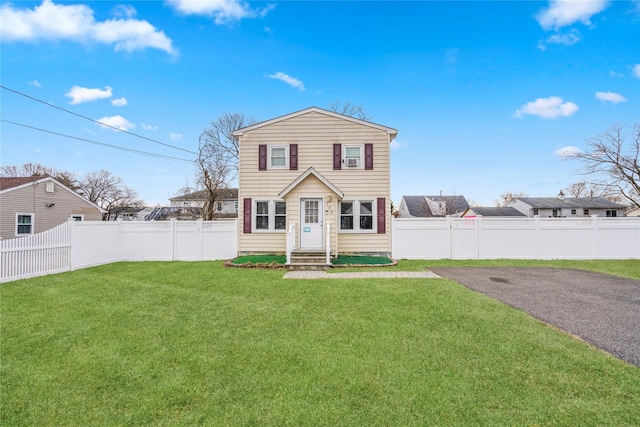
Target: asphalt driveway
602, 310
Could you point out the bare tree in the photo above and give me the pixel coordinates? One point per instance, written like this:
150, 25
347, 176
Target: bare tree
584, 189
507, 197
217, 162
612, 161
108, 191
348, 109
66, 178
218, 137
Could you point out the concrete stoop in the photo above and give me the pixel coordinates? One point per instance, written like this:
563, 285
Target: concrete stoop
308, 260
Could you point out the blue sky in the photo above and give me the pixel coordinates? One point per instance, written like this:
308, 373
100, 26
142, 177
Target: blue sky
486, 95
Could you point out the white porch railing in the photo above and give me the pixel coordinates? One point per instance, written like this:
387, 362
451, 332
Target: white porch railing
328, 243
291, 240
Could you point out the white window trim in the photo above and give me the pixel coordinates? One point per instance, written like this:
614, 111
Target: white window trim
272, 216
286, 156
356, 215
33, 223
360, 159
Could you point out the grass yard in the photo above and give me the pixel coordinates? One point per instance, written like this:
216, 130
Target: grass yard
198, 344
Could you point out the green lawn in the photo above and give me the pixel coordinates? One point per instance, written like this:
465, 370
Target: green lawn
198, 344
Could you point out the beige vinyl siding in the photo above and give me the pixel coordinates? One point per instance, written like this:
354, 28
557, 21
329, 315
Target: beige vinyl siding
315, 133
33, 199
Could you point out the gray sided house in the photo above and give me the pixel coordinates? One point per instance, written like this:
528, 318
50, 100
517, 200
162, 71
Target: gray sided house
34, 204
432, 206
567, 207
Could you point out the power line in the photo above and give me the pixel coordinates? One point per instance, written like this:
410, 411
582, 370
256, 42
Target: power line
95, 121
130, 150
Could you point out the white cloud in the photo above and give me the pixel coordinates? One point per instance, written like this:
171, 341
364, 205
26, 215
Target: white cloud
35, 83
175, 136
636, 71
610, 97
547, 108
567, 39
117, 122
149, 127
291, 81
79, 94
562, 13
568, 151
50, 21
396, 145
119, 102
223, 11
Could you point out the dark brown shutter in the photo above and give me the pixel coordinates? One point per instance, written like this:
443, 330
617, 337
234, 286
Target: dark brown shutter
382, 215
247, 215
293, 157
337, 156
368, 156
262, 157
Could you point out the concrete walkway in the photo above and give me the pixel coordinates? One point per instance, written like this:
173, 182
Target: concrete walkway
319, 274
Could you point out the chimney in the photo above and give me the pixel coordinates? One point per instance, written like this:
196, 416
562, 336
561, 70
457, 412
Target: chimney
561, 195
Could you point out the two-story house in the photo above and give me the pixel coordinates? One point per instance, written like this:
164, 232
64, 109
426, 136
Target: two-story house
226, 205
315, 178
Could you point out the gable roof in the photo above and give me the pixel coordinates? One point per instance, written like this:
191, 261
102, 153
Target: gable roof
16, 181
8, 184
569, 202
224, 193
418, 206
305, 174
495, 211
392, 132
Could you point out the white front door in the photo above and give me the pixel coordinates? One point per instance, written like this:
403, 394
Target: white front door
311, 223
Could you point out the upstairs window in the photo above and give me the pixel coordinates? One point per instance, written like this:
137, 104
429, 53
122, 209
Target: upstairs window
352, 156
278, 157
24, 224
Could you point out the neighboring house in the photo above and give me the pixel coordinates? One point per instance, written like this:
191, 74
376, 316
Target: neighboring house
633, 211
313, 170
492, 212
432, 206
561, 206
125, 214
226, 206
33, 204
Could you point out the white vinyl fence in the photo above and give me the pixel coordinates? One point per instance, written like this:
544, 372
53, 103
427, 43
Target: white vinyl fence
81, 244
516, 238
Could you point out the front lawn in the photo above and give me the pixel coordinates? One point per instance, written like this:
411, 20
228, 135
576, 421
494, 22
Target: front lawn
188, 344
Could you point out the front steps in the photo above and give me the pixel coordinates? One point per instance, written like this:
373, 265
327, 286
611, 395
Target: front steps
308, 260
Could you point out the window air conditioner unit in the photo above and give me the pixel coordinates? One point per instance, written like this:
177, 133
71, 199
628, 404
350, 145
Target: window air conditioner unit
352, 163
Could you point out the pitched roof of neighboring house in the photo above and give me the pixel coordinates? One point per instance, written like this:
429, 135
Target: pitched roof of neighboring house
16, 181
224, 194
429, 206
570, 202
392, 132
13, 183
494, 211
